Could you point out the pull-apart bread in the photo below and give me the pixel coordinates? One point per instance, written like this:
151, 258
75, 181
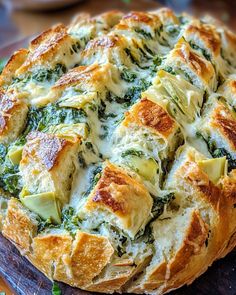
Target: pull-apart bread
118, 150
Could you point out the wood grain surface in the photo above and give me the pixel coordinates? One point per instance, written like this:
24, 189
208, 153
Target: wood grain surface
25, 279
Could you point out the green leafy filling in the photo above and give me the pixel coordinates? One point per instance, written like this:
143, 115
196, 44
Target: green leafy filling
132, 152
160, 202
144, 33
56, 289
218, 152
202, 50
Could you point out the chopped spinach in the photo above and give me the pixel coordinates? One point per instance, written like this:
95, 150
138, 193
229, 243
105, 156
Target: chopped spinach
44, 75
94, 177
169, 70
3, 153
159, 204
202, 50
70, 221
132, 95
127, 75
43, 224
134, 92
172, 30
56, 289
145, 34
145, 235
120, 248
221, 152
105, 132
218, 152
53, 114
89, 146
157, 61
10, 179
132, 152
81, 160
101, 110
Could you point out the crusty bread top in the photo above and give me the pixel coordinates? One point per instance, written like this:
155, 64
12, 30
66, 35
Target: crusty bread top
118, 145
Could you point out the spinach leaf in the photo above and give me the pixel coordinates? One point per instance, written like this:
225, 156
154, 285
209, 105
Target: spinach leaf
44, 75
53, 114
143, 33
10, 179
169, 70
43, 224
132, 152
127, 75
3, 62
159, 204
56, 289
94, 177
172, 30
70, 221
218, 152
202, 50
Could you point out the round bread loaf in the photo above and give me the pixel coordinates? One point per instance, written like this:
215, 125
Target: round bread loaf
118, 150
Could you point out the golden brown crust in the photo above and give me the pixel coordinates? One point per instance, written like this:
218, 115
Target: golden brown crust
200, 66
45, 46
103, 195
207, 34
13, 112
166, 16
167, 273
44, 148
16, 60
199, 180
223, 120
48, 251
93, 74
119, 198
122, 196
149, 114
89, 255
18, 226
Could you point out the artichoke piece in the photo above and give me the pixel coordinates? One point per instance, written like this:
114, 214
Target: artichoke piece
70, 131
15, 154
186, 97
46, 205
214, 168
146, 168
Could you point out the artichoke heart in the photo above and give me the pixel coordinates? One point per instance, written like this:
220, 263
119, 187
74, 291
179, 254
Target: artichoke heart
186, 97
15, 154
46, 205
146, 168
70, 131
214, 168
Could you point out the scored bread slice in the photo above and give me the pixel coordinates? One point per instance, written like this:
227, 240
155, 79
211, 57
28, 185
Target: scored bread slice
228, 90
152, 129
20, 225
173, 251
192, 66
13, 112
201, 208
218, 129
44, 156
117, 199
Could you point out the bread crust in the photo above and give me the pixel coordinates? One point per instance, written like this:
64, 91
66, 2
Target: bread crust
122, 231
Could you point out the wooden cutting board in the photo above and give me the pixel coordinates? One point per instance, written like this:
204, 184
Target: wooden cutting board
25, 279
